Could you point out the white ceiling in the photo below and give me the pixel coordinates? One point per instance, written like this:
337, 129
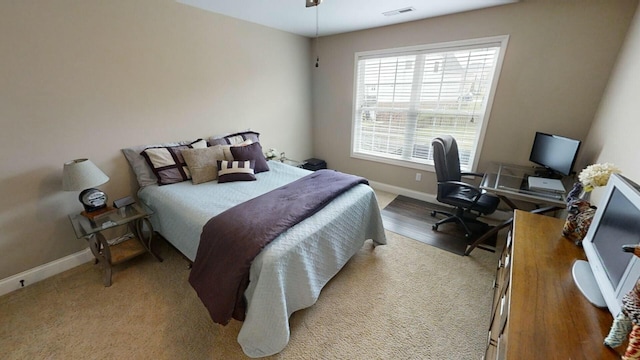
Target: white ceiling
336, 16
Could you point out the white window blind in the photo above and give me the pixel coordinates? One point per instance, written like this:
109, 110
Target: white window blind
406, 97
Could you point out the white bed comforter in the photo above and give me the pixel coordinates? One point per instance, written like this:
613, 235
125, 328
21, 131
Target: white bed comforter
290, 272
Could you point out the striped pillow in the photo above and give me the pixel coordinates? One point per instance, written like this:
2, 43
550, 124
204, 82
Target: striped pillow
229, 171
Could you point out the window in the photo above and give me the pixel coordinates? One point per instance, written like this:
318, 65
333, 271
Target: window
406, 97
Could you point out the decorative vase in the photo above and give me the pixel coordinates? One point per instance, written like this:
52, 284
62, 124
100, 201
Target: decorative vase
579, 214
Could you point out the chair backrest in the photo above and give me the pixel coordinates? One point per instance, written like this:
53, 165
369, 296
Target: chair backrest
445, 158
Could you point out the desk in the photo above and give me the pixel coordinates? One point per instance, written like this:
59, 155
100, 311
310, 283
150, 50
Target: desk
509, 182
538, 311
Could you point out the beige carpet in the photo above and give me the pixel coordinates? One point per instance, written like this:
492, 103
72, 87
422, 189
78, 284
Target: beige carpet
406, 300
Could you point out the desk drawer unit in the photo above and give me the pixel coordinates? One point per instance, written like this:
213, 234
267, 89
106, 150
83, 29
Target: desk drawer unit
537, 310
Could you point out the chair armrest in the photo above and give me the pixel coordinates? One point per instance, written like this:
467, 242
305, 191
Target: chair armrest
471, 174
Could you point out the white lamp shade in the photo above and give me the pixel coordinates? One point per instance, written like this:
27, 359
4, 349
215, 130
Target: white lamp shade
82, 174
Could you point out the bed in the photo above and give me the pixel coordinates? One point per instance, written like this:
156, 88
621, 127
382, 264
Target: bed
290, 272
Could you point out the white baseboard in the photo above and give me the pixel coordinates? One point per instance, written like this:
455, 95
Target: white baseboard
405, 192
431, 198
55, 267
44, 271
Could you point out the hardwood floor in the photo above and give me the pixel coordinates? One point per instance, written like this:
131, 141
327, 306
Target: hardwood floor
412, 218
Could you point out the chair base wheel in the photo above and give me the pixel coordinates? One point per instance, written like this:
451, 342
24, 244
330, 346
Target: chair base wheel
435, 227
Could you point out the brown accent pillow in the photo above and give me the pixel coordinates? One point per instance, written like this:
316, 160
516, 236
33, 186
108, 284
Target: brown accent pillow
251, 152
229, 171
202, 163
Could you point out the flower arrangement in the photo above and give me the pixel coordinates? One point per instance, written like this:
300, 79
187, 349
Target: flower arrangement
596, 175
271, 154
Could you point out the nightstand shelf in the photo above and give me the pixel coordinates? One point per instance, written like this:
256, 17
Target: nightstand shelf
126, 250
109, 253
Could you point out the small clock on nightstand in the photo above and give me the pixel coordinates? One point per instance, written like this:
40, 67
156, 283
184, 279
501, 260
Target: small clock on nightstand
93, 199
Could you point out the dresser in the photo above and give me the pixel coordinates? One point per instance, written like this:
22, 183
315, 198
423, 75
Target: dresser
537, 311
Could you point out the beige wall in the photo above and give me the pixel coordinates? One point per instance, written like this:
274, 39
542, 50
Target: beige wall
558, 60
616, 129
87, 78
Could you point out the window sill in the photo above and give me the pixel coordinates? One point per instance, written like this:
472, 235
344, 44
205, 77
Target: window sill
402, 163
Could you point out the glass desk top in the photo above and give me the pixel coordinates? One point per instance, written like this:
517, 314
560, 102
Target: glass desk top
511, 181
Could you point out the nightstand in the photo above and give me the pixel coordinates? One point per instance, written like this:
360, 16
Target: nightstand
291, 162
112, 252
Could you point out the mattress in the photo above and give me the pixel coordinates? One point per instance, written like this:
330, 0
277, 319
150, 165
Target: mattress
290, 272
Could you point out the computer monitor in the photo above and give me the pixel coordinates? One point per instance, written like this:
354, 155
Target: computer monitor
610, 272
556, 154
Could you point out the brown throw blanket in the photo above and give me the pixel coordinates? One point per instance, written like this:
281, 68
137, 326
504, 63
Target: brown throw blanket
231, 240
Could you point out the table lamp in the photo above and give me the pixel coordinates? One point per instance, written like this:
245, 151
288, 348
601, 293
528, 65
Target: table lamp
82, 174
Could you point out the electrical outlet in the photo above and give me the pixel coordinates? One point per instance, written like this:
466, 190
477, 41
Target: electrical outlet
418, 176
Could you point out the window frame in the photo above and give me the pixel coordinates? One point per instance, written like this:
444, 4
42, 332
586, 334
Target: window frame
500, 41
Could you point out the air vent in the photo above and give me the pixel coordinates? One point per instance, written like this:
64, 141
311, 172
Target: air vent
399, 11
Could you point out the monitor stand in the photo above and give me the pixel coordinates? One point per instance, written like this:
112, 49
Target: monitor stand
583, 277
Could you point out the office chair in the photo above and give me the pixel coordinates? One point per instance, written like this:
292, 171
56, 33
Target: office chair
468, 201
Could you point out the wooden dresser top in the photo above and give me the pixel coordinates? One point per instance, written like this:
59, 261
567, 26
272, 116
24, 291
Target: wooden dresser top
549, 318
